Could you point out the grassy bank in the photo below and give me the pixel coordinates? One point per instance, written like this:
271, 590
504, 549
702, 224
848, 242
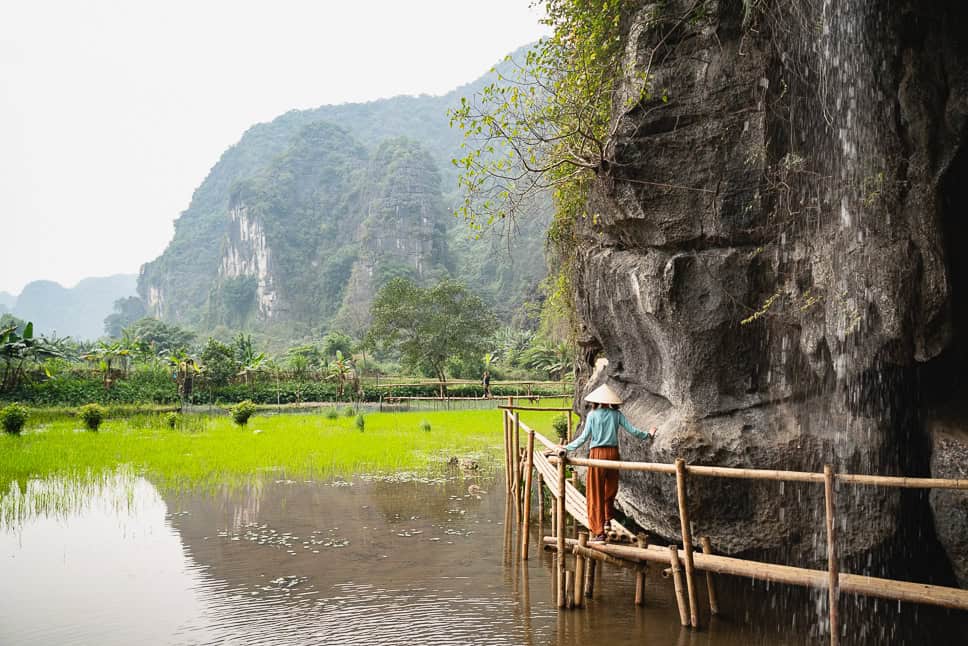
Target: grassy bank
208, 451
156, 387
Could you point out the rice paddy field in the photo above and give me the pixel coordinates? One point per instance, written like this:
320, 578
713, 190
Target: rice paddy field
202, 451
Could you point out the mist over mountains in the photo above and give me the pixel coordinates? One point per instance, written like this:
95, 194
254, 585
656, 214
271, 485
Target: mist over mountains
77, 312
300, 222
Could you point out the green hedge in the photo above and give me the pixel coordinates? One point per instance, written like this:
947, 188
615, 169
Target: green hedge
157, 387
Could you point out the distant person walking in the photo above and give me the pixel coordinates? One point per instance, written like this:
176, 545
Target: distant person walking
601, 427
486, 380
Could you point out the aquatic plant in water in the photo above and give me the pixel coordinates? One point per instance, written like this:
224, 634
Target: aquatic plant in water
13, 418
242, 411
92, 415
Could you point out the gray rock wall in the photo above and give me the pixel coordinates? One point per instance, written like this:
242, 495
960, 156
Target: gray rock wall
769, 259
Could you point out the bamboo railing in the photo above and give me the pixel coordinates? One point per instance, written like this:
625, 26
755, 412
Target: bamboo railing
685, 562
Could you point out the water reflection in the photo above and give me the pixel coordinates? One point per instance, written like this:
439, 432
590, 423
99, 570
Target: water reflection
361, 562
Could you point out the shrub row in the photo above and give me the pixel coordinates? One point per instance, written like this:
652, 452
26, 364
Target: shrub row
155, 388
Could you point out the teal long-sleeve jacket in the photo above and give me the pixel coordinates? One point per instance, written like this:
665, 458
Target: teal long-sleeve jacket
601, 426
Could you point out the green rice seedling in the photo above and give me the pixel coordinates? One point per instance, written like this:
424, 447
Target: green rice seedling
332, 413
242, 411
560, 425
360, 422
92, 415
211, 453
171, 420
349, 411
13, 418
424, 426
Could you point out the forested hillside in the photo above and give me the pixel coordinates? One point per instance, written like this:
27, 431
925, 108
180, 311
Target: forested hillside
301, 221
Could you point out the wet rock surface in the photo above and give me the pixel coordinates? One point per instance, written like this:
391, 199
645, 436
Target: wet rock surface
771, 260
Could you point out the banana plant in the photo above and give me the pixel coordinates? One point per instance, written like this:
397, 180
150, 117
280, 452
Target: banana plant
19, 349
341, 369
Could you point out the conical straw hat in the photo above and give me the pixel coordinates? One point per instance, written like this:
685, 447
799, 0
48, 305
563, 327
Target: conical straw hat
603, 395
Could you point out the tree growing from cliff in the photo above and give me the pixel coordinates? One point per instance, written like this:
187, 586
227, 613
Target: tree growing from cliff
544, 125
430, 326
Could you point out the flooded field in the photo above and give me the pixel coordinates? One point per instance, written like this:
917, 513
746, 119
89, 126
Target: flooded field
365, 561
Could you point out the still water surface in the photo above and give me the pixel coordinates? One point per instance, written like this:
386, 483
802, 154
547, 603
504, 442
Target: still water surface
362, 562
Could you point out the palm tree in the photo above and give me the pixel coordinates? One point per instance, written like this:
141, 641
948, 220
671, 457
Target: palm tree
341, 369
105, 355
249, 361
554, 359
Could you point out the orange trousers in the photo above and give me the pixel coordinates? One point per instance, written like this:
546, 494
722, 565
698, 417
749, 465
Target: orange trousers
601, 487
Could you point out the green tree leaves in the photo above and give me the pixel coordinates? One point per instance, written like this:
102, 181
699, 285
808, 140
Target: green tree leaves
431, 325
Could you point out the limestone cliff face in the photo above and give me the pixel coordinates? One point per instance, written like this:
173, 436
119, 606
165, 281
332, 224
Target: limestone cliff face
770, 270
403, 231
246, 254
313, 238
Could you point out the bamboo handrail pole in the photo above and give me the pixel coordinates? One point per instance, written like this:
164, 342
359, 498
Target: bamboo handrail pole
560, 532
570, 438
526, 531
541, 438
516, 443
673, 556
755, 474
686, 541
778, 475
832, 568
707, 548
908, 591
656, 467
542, 409
901, 481
580, 569
641, 541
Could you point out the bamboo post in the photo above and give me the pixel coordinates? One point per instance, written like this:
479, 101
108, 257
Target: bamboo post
590, 572
832, 569
569, 589
516, 443
677, 582
686, 541
707, 548
579, 592
507, 451
570, 438
526, 530
642, 542
540, 489
560, 531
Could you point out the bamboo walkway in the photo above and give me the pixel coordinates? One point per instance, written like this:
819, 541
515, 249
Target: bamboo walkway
573, 584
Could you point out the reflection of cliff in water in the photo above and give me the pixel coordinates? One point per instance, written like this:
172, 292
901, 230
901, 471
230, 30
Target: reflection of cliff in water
400, 533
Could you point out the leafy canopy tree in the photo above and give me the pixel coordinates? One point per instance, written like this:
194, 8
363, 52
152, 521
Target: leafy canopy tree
126, 311
159, 337
431, 325
218, 363
336, 341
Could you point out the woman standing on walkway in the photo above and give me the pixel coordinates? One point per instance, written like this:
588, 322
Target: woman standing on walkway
601, 427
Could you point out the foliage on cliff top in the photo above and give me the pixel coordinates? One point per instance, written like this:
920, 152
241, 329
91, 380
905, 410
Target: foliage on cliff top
544, 125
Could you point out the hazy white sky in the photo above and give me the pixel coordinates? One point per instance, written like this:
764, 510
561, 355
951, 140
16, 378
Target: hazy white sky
113, 111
